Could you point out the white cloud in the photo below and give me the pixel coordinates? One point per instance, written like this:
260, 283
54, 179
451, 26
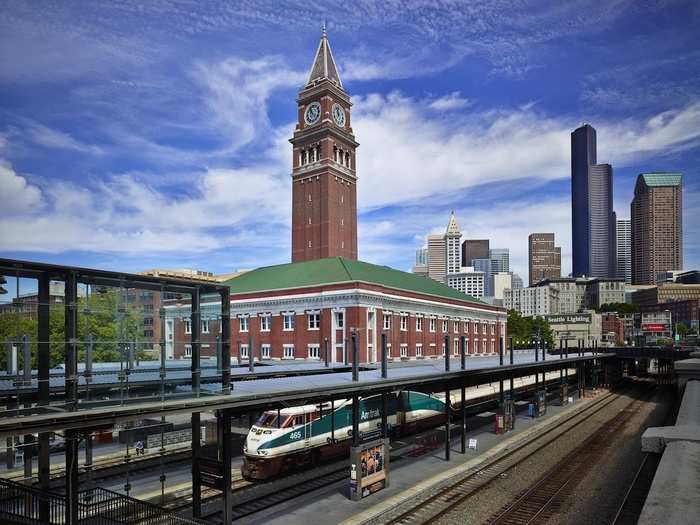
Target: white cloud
450, 102
408, 154
51, 138
16, 194
237, 91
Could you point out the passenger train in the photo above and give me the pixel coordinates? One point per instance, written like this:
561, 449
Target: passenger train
300, 436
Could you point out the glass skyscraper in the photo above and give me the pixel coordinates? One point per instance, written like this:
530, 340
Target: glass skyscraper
593, 222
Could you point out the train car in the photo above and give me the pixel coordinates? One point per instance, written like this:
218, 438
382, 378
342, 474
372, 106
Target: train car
295, 437
308, 434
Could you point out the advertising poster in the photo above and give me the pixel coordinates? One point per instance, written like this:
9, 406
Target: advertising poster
369, 469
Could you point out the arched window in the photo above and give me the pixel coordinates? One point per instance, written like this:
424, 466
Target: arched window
335, 153
347, 159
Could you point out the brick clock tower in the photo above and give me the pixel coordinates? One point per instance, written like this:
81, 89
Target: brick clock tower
324, 181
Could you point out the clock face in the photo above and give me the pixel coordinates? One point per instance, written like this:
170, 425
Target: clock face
312, 113
338, 115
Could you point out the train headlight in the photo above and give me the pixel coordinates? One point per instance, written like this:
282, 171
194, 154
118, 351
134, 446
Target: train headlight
262, 452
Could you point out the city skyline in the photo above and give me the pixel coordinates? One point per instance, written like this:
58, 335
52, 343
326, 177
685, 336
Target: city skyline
103, 172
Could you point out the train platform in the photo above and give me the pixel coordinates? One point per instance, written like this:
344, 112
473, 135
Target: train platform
409, 476
673, 496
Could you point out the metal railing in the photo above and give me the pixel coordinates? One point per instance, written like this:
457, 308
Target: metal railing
20, 504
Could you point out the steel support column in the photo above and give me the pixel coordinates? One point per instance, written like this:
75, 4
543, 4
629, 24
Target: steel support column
71, 335
225, 455
195, 325
384, 357
355, 421
355, 364
447, 423
385, 410
226, 341
463, 424
500, 362
72, 480
447, 353
463, 352
44, 363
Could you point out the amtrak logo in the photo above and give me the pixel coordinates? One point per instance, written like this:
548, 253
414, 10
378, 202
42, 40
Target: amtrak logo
369, 414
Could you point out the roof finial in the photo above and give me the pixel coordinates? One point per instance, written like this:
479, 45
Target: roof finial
323, 30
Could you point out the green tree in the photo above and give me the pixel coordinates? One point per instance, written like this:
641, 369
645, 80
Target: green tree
681, 330
621, 308
103, 315
525, 329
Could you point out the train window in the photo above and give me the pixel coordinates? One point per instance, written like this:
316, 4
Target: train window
267, 420
298, 420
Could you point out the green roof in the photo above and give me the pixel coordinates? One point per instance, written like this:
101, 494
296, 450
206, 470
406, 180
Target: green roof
662, 179
338, 270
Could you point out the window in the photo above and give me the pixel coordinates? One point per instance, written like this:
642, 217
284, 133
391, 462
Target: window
288, 351
148, 333
388, 349
309, 197
309, 244
205, 326
244, 350
188, 350
419, 350
386, 317
483, 328
314, 321
465, 326
265, 323
419, 324
404, 323
148, 321
455, 327
243, 327
432, 324
466, 346
339, 320
456, 347
188, 325
288, 322
493, 328
265, 351
444, 325
314, 352
404, 350
483, 346
443, 349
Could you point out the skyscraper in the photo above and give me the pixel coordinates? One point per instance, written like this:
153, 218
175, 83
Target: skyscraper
544, 259
324, 198
437, 263
623, 253
501, 260
452, 243
657, 226
474, 249
593, 227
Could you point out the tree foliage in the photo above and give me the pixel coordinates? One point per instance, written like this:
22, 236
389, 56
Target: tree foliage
526, 329
103, 316
620, 308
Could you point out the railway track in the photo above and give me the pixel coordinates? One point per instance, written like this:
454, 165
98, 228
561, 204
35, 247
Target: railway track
636, 495
437, 502
545, 498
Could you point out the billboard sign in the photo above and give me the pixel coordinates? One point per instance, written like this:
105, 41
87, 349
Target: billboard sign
655, 327
569, 319
369, 468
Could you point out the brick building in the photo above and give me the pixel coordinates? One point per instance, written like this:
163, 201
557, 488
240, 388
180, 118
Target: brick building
613, 329
292, 311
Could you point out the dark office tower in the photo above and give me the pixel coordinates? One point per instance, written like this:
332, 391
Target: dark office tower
593, 225
544, 258
657, 226
474, 249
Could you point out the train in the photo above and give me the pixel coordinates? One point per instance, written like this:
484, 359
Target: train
297, 437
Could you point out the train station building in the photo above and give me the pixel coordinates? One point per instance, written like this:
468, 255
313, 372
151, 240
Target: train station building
297, 310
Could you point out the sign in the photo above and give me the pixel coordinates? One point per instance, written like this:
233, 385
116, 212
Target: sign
211, 473
369, 469
472, 444
569, 319
655, 327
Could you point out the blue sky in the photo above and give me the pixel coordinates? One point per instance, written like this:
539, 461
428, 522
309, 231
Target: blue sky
138, 134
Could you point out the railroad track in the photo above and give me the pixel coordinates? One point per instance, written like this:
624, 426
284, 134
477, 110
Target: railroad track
544, 499
437, 502
636, 495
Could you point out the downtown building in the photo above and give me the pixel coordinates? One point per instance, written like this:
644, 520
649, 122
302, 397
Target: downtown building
593, 220
544, 259
656, 226
326, 296
623, 252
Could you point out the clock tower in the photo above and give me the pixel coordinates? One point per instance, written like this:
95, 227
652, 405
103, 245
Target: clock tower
324, 180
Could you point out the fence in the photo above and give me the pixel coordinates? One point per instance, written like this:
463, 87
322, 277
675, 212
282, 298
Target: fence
20, 504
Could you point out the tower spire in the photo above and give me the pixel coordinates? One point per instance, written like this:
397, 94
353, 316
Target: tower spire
323, 67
